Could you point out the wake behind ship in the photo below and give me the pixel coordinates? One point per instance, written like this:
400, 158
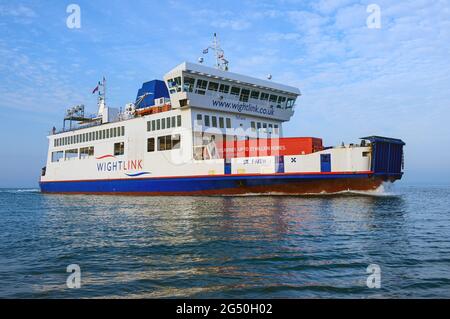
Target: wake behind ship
207, 131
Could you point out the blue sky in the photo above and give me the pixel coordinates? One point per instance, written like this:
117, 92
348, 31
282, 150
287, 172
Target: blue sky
393, 81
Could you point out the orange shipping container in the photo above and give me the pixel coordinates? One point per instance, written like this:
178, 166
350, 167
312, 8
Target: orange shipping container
271, 147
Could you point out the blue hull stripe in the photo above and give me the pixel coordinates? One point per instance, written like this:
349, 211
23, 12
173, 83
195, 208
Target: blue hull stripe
183, 185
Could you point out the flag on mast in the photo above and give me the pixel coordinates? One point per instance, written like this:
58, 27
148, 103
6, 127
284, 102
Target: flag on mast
95, 90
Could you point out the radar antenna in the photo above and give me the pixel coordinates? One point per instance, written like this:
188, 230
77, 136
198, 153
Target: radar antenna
221, 62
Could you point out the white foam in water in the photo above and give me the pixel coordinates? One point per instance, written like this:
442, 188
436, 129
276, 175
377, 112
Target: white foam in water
384, 190
23, 190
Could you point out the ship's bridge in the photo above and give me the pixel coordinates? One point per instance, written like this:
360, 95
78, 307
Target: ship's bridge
198, 86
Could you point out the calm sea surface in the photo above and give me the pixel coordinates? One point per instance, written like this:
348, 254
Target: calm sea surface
230, 247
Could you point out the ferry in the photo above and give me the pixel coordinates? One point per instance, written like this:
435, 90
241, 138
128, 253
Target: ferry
207, 131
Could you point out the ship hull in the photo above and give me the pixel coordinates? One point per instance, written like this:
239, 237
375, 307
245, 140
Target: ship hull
286, 184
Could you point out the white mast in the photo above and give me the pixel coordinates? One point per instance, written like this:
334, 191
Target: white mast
221, 62
101, 100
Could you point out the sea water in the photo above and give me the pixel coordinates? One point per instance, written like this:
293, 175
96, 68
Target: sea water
227, 247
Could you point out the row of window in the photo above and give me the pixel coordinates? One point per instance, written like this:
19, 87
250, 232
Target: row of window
266, 127
213, 121
90, 136
200, 86
162, 124
164, 143
84, 152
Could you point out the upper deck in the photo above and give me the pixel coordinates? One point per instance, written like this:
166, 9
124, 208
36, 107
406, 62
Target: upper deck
194, 85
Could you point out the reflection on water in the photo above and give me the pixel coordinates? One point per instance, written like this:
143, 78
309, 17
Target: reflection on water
256, 247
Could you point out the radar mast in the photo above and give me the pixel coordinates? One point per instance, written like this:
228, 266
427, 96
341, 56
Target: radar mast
221, 62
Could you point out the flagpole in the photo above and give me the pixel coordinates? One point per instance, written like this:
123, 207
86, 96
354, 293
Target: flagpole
104, 90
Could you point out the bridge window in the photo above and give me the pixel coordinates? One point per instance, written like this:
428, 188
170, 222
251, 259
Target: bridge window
264, 96
151, 144
188, 84
281, 101
244, 95
174, 84
201, 86
223, 88
119, 148
290, 103
255, 95
273, 98
235, 91
71, 154
56, 156
213, 86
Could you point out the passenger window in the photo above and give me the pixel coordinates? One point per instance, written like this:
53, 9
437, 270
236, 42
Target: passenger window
119, 148
71, 154
56, 156
162, 143
176, 141
228, 122
151, 144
